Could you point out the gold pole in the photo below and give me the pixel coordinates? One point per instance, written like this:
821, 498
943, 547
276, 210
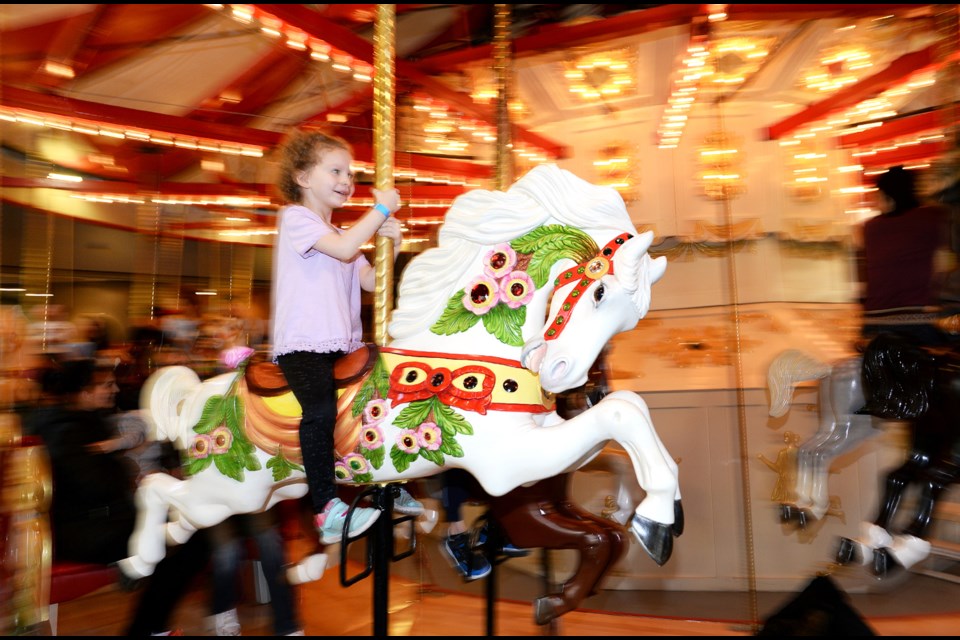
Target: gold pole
383, 139
502, 69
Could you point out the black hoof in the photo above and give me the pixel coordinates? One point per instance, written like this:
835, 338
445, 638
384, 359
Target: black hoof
848, 551
787, 513
655, 538
677, 518
126, 583
885, 565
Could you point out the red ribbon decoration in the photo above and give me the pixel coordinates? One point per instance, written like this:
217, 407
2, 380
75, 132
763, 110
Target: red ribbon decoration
413, 381
589, 271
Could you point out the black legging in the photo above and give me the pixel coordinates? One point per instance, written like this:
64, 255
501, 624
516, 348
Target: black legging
310, 376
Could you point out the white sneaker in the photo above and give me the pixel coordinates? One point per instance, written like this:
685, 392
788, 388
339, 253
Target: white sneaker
407, 504
227, 623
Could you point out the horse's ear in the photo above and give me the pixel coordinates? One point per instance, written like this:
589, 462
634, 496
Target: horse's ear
658, 267
645, 239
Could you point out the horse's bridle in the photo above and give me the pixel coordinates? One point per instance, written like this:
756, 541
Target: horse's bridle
588, 272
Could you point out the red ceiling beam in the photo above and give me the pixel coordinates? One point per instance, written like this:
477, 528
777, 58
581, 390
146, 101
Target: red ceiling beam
898, 71
314, 24
900, 127
905, 155
122, 117
566, 36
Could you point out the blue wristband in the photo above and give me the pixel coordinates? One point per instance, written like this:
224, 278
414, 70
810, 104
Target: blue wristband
382, 209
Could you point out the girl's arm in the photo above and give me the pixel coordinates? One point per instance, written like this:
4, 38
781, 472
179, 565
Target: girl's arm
345, 245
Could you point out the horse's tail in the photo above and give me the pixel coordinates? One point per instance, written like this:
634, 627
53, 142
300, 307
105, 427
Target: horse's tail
786, 370
162, 399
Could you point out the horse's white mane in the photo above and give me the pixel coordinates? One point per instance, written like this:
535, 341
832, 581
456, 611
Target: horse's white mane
481, 218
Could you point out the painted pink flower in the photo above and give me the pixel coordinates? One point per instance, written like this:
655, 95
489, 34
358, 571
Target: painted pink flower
235, 356
481, 295
341, 470
221, 439
375, 411
408, 442
517, 289
356, 463
201, 446
371, 437
429, 436
499, 261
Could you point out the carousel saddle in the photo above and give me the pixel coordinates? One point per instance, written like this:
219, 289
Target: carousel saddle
264, 378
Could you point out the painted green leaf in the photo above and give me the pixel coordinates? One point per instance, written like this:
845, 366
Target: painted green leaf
432, 456
364, 395
193, 466
380, 377
401, 459
549, 244
378, 382
506, 324
414, 414
452, 448
212, 415
376, 456
362, 477
455, 318
228, 466
281, 467
450, 421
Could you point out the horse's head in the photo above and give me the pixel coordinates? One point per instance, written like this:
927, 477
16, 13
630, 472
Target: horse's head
592, 302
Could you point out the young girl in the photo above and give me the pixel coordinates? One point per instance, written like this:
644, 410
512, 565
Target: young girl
318, 273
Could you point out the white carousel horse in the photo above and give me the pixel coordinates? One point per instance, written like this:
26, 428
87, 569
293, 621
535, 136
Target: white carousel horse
840, 428
448, 390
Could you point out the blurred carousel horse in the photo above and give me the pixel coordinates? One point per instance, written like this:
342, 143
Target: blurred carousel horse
921, 386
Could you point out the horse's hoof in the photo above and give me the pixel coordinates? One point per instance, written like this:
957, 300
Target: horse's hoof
677, 518
885, 565
545, 609
127, 583
786, 513
848, 551
655, 538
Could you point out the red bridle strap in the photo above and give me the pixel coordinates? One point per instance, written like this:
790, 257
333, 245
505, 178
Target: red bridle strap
589, 271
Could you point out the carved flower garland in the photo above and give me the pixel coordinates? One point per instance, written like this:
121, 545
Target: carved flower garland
220, 439
512, 273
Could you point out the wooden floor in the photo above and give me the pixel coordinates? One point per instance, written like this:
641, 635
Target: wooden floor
417, 608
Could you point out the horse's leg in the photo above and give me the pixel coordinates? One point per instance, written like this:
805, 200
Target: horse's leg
147, 545
665, 458
850, 432
911, 547
875, 535
531, 517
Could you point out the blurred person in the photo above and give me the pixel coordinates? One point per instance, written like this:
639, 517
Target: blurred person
899, 261
92, 513
228, 546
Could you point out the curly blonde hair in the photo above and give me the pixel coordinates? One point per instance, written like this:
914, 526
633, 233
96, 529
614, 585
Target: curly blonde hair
302, 150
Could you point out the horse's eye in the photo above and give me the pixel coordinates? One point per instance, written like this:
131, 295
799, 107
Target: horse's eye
598, 292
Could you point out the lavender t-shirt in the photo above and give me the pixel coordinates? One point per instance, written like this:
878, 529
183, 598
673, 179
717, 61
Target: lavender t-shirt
316, 298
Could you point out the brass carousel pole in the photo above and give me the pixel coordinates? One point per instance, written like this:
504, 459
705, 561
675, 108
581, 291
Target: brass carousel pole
383, 141
384, 106
504, 178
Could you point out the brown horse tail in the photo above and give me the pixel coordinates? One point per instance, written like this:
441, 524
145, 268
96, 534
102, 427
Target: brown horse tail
786, 370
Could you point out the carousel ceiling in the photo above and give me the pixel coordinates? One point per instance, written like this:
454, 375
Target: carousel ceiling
183, 104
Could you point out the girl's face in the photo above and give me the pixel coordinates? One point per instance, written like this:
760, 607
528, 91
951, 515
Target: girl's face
329, 183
